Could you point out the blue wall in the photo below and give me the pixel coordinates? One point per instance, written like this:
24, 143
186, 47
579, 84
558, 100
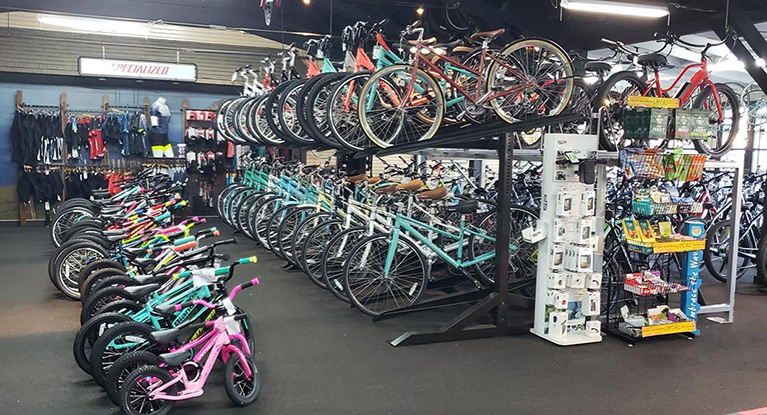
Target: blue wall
85, 98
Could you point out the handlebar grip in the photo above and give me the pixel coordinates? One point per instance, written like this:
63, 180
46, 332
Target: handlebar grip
609, 42
162, 217
250, 283
181, 306
252, 260
183, 240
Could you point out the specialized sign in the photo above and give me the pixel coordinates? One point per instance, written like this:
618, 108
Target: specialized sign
137, 69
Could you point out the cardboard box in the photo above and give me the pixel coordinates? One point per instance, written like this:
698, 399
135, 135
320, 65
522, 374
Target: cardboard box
565, 203
558, 324
682, 124
593, 328
700, 124
556, 281
576, 280
556, 257
584, 228
594, 282
588, 202
591, 305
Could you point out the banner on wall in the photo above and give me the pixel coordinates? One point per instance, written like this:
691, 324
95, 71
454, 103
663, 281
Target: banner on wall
114, 68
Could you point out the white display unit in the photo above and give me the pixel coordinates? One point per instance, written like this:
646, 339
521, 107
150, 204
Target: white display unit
571, 233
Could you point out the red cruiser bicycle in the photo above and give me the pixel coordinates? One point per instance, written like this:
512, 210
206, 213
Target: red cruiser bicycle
699, 92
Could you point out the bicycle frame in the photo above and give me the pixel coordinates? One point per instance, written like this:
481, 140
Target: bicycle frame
410, 226
700, 79
419, 62
216, 342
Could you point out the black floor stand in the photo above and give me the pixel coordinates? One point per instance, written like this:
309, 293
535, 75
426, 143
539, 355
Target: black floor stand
486, 301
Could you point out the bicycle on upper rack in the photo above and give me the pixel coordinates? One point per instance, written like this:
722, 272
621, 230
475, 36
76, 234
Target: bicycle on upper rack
405, 103
700, 92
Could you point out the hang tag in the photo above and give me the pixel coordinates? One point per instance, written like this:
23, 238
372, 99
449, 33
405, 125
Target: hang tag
232, 325
202, 277
377, 52
320, 55
229, 306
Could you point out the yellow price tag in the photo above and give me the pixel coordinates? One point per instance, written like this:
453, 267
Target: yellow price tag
661, 329
653, 102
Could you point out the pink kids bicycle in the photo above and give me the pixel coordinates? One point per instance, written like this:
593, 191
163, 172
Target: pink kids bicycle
181, 375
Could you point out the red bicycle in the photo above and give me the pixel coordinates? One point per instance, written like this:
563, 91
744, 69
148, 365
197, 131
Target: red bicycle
699, 92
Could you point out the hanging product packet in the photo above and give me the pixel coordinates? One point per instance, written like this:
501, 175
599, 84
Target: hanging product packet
673, 162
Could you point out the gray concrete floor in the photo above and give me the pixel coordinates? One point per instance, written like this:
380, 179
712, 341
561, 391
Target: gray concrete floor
319, 356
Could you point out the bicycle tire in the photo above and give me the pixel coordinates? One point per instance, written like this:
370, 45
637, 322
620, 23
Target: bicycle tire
334, 259
88, 334
103, 355
310, 257
721, 90
369, 256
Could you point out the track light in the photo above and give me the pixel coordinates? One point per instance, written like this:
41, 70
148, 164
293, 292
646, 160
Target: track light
307, 2
420, 10
616, 7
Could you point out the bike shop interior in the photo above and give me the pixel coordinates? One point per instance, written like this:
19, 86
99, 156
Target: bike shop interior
390, 206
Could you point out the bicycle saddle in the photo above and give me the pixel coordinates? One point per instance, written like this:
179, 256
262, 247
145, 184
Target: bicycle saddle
165, 309
140, 291
164, 337
429, 41
653, 60
411, 186
174, 359
464, 206
357, 178
111, 232
147, 279
434, 194
488, 35
373, 180
386, 189
145, 262
598, 67
117, 237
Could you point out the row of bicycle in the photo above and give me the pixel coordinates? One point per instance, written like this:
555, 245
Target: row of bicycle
157, 309
390, 94
378, 242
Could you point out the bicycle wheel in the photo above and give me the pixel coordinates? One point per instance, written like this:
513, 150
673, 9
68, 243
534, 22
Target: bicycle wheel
64, 219
547, 74
123, 367
259, 118
716, 255
222, 197
309, 255
70, 262
721, 133
253, 211
342, 114
315, 109
89, 333
288, 226
522, 255
288, 113
241, 388
115, 342
303, 229
241, 121
273, 107
334, 257
611, 99
264, 213
394, 112
243, 211
373, 292
273, 227
134, 395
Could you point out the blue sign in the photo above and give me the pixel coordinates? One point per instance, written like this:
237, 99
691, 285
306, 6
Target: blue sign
691, 273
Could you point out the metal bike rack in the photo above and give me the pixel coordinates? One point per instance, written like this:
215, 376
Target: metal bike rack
728, 307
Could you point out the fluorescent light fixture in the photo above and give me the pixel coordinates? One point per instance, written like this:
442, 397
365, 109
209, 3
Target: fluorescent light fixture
760, 62
106, 26
616, 7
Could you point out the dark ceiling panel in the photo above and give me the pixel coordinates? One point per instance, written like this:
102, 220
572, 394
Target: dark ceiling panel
521, 17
